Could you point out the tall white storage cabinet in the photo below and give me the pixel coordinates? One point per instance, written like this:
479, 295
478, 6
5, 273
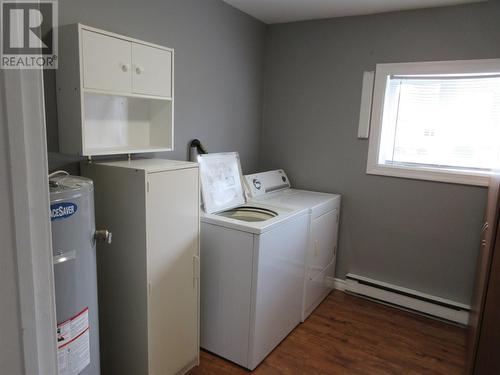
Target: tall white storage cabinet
149, 276
115, 94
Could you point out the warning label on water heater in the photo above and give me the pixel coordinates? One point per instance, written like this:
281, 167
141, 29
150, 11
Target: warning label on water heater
73, 344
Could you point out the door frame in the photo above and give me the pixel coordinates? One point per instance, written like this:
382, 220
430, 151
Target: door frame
22, 91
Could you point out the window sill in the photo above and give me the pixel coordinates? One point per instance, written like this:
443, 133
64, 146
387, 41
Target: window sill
428, 174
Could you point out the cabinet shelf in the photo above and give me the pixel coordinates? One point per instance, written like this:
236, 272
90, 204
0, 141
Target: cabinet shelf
119, 150
125, 125
130, 95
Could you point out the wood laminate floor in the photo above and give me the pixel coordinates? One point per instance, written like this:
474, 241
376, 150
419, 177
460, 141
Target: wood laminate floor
349, 335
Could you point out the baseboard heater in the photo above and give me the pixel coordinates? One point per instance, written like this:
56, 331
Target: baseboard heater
407, 298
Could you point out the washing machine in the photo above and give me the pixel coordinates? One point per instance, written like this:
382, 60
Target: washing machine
273, 187
252, 266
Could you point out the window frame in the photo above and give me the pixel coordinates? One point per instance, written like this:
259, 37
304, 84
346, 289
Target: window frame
383, 71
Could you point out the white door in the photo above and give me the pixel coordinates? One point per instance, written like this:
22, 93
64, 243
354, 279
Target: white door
106, 62
173, 249
152, 70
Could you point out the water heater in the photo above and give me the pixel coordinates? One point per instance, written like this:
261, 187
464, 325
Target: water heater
75, 274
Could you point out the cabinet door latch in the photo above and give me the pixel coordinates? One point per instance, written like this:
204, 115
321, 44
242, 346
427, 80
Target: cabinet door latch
196, 269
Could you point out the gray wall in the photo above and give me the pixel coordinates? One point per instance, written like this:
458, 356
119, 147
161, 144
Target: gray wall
10, 326
417, 234
218, 69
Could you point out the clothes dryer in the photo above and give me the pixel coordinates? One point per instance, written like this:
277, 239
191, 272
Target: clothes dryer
274, 187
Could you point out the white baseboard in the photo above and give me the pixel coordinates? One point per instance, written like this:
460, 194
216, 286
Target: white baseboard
338, 284
406, 298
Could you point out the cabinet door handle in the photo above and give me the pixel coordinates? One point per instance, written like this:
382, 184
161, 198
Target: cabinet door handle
124, 67
139, 69
196, 270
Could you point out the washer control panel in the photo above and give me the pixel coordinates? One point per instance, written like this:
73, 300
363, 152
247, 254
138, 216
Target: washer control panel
258, 184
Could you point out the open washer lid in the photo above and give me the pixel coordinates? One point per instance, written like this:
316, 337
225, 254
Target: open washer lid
221, 181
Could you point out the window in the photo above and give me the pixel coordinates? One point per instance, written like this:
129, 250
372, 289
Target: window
436, 121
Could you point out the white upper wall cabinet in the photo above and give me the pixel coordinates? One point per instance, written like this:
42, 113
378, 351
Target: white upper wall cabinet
114, 94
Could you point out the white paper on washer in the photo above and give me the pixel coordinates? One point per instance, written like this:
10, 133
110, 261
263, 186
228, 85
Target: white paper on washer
221, 181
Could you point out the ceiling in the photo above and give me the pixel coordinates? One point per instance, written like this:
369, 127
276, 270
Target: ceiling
279, 11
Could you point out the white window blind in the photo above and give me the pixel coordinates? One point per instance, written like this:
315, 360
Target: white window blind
444, 122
